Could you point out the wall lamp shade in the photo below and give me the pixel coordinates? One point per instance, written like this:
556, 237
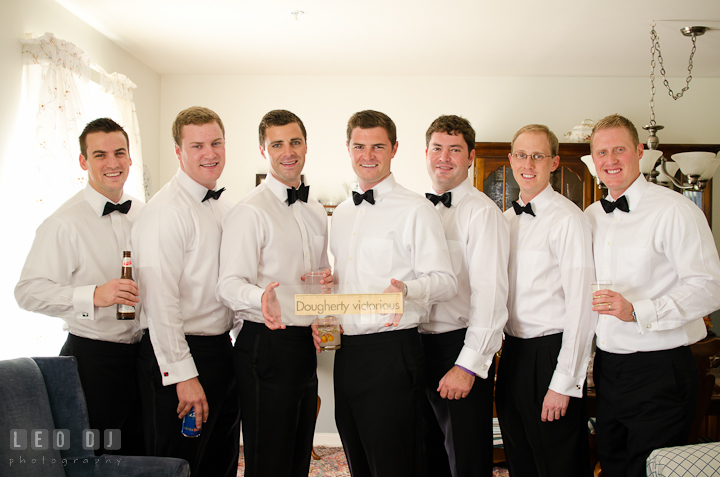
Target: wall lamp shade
694, 163
648, 160
710, 170
590, 164
672, 169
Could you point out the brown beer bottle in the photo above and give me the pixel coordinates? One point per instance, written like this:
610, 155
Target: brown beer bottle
126, 312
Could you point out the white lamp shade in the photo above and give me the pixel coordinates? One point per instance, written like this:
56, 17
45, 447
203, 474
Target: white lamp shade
693, 162
647, 162
590, 164
671, 167
710, 169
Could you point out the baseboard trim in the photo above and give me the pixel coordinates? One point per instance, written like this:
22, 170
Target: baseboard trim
327, 439
324, 439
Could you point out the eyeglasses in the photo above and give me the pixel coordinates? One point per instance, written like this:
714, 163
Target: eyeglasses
522, 157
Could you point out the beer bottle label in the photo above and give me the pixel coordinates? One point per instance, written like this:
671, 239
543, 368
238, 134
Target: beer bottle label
126, 309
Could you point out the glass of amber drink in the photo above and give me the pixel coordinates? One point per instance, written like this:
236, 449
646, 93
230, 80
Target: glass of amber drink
329, 331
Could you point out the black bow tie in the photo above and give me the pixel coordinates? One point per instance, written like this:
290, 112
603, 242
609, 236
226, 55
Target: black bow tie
368, 195
445, 198
123, 208
620, 204
519, 209
301, 193
213, 194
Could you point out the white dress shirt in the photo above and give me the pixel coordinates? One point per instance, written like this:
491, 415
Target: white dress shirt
177, 244
400, 237
75, 250
550, 272
478, 238
662, 258
265, 240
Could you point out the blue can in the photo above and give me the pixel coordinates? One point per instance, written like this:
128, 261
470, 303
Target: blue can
189, 425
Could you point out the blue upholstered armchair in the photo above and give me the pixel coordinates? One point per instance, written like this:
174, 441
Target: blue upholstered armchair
45, 393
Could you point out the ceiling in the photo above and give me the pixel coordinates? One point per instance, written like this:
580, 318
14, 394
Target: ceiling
408, 37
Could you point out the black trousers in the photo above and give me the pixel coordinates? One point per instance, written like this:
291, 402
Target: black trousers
644, 401
215, 452
109, 379
458, 435
532, 447
276, 372
379, 393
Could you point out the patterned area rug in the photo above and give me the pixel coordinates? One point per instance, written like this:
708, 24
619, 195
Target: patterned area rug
332, 463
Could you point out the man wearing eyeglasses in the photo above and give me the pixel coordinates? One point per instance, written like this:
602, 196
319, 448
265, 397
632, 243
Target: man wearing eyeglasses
463, 333
548, 335
657, 248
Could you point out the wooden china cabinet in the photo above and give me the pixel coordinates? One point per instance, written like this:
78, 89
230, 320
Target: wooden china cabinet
572, 178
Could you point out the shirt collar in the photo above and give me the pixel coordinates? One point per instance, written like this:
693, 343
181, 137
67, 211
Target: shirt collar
540, 201
97, 201
383, 188
458, 192
196, 191
634, 192
276, 187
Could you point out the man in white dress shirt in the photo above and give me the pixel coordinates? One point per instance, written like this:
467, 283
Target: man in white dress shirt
385, 239
656, 247
464, 333
186, 359
548, 336
72, 272
270, 240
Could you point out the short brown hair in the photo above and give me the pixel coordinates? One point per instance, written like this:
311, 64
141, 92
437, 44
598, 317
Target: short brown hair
538, 128
279, 117
454, 126
196, 115
105, 125
369, 119
616, 121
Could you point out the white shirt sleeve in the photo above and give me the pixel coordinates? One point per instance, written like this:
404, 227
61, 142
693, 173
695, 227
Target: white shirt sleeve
240, 252
435, 280
160, 238
44, 285
689, 246
487, 250
572, 245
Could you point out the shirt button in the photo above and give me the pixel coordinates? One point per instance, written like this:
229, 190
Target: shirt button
649, 326
603, 342
485, 367
608, 243
117, 223
349, 258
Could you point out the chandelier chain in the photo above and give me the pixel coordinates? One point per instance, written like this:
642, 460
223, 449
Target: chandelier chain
655, 39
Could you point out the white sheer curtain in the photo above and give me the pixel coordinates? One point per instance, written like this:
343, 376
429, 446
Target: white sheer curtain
42, 170
56, 77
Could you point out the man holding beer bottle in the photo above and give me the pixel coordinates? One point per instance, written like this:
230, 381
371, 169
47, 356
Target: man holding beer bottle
73, 272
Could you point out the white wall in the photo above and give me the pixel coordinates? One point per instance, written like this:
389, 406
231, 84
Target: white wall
39, 17
497, 107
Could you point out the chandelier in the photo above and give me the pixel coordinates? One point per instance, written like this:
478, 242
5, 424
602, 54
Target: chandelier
697, 167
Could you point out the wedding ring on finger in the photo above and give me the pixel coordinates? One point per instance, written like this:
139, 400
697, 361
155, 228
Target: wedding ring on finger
609, 307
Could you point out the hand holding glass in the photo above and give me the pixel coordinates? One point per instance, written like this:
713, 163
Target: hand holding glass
598, 285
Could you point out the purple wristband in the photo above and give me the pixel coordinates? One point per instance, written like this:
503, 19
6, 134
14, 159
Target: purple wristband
466, 370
